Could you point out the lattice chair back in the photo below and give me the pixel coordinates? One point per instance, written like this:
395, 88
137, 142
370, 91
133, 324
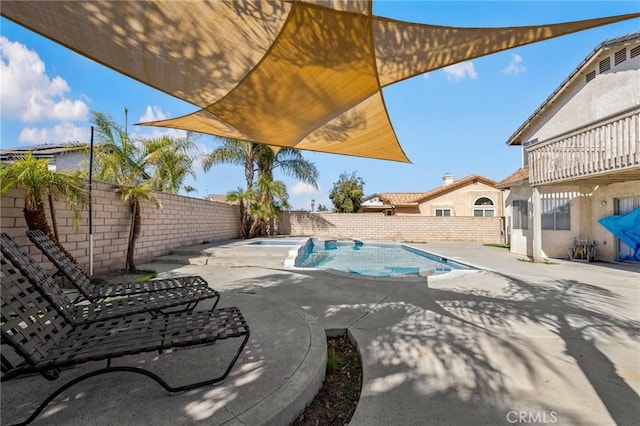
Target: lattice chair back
67, 266
29, 324
37, 276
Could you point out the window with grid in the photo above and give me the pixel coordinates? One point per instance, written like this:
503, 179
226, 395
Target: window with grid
520, 214
556, 213
483, 207
443, 212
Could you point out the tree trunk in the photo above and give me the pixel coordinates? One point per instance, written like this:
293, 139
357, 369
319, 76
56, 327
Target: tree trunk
37, 220
134, 232
54, 224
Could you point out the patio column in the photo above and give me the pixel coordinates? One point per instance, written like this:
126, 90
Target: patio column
537, 224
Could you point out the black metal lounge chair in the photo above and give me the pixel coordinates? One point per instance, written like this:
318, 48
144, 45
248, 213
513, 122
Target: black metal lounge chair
92, 292
48, 343
155, 302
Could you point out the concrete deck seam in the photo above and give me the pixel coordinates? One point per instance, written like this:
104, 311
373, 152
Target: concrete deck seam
376, 304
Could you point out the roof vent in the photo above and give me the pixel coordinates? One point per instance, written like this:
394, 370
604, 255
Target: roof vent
605, 65
620, 56
635, 51
447, 179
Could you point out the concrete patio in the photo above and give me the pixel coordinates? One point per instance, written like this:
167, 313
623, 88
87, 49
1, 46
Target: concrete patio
513, 342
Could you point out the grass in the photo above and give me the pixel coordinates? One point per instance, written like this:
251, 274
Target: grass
497, 245
529, 260
332, 360
149, 274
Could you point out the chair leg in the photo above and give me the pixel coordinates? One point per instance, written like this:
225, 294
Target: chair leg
137, 370
217, 379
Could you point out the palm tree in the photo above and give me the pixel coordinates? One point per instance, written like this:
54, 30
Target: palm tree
39, 181
235, 152
290, 161
241, 153
263, 160
189, 189
244, 199
273, 199
118, 159
133, 194
122, 162
170, 160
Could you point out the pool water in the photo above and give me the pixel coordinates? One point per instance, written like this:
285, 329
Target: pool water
373, 259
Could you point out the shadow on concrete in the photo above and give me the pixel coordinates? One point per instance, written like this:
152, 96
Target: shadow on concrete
467, 347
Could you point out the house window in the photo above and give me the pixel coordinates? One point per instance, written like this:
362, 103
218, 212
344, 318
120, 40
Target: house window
483, 207
388, 212
591, 76
520, 214
635, 51
443, 212
556, 213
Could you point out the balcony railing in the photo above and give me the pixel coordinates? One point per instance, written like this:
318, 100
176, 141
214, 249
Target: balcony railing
605, 147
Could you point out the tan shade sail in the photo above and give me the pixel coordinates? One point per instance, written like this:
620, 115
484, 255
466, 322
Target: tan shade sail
302, 74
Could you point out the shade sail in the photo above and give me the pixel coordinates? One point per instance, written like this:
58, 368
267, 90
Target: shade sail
301, 74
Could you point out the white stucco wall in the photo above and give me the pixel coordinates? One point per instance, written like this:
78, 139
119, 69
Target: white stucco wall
607, 194
589, 203
582, 103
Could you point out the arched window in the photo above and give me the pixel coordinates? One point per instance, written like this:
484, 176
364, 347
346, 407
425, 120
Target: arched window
484, 207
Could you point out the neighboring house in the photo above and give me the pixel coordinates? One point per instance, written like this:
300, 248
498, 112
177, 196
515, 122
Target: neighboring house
581, 155
374, 204
471, 196
63, 157
220, 198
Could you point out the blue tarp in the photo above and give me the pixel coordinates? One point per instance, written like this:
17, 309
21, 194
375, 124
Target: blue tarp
627, 228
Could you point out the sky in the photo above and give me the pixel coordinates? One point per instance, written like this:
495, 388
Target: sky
455, 120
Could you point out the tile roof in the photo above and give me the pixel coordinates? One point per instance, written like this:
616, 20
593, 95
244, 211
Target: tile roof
414, 198
401, 198
519, 177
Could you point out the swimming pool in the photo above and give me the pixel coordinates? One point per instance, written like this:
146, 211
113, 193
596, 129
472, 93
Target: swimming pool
373, 259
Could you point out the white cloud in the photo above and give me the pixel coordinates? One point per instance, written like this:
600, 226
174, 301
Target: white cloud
152, 113
302, 188
60, 133
515, 66
28, 93
461, 71
155, 113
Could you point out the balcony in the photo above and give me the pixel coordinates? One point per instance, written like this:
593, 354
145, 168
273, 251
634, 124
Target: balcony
604, 152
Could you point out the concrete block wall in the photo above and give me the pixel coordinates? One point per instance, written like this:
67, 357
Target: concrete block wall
182, 221
375, 226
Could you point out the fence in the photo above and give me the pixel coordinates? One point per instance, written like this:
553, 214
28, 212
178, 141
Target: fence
376, 226
181, 221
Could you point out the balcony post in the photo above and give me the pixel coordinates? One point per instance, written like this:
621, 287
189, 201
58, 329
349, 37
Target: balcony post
537, 224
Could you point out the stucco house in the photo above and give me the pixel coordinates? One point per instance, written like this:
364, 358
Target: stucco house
62, 157
470, 196
581, 158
